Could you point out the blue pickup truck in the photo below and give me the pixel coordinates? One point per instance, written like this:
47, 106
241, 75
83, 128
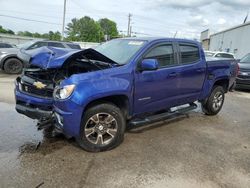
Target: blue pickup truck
94, 94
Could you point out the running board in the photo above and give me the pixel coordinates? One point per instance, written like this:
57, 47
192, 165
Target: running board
160, 117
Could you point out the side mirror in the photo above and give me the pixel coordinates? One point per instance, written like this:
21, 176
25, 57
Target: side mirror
149, 65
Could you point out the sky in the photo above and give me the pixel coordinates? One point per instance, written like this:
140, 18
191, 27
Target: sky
185, 18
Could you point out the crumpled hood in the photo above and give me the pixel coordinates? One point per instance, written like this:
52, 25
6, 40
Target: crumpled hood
49, 57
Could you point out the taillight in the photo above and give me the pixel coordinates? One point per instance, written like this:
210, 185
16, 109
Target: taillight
237, 69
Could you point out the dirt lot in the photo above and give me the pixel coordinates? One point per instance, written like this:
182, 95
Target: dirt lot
189, 151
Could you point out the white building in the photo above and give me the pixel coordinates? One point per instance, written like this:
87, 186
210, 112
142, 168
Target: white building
235, 40
205, 40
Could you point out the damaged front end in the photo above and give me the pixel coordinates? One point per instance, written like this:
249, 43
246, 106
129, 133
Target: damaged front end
34, 94
45, 70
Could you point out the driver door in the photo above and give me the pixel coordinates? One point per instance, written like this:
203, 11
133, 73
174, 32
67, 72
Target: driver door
157, 89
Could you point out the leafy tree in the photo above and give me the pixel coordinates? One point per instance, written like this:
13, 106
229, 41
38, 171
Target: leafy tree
25, 33
6, 31
51, 35
20, 33
108, 27
37, 35
84, 29
10, 32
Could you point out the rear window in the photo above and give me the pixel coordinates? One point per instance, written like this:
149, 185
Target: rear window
56, 44
74, 46
37, 45
189, 53
224, 55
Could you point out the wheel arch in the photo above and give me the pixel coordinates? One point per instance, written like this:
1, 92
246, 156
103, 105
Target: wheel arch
120, 100
224, 82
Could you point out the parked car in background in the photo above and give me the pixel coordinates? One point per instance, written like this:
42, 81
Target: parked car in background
6, 45
11, 64
223, 55
92, 94
243, 78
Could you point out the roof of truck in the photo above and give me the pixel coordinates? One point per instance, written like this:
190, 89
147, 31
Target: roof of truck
150, 39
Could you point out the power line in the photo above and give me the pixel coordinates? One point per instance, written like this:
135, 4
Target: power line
140, 33
31, 20
32, 14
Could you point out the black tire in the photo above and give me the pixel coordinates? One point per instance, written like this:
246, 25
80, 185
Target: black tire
215, 101
13, 66
101, 111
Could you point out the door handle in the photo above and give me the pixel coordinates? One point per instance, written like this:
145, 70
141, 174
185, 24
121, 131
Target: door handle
173, 74
199, 70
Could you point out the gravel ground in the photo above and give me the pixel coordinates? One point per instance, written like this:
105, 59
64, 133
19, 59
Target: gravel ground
191, 150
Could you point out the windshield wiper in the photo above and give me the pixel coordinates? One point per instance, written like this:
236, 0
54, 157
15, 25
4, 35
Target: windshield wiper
104, 63
89, 61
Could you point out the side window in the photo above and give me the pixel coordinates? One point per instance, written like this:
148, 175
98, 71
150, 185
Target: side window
189, 53
164, 55
56, 44
3, 45
8, 46
37, 45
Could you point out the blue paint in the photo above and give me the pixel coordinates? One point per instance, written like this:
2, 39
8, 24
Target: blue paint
147, 91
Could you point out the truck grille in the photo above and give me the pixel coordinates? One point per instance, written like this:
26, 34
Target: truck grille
30, 89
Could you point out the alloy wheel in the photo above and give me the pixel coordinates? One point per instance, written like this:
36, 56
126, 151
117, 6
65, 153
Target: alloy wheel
101, 129
217, 101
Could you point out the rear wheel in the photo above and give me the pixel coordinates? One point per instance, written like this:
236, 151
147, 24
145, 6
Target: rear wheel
13, 66
102, 128
214, 103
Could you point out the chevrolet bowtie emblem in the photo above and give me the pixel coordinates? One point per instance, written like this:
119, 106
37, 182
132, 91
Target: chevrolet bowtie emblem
39, 85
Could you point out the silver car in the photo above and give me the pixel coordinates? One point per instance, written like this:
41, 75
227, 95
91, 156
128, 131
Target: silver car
11, 64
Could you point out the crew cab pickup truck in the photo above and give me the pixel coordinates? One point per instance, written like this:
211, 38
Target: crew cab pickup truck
94, 94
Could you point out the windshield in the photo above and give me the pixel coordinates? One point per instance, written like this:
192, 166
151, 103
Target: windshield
245, 59
26, 44
209, 54
120, 50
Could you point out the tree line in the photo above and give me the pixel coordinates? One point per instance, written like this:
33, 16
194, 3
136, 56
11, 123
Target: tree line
83, 29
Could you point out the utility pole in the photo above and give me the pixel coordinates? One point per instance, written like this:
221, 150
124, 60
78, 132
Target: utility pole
63, 25
175, 34
129, 20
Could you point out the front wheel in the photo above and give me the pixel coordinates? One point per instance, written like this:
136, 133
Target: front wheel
102, 128
13, 66
214, 103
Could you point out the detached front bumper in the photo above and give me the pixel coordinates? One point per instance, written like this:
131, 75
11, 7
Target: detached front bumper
33, 113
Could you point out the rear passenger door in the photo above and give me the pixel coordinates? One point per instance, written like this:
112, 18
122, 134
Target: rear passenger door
192, 71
